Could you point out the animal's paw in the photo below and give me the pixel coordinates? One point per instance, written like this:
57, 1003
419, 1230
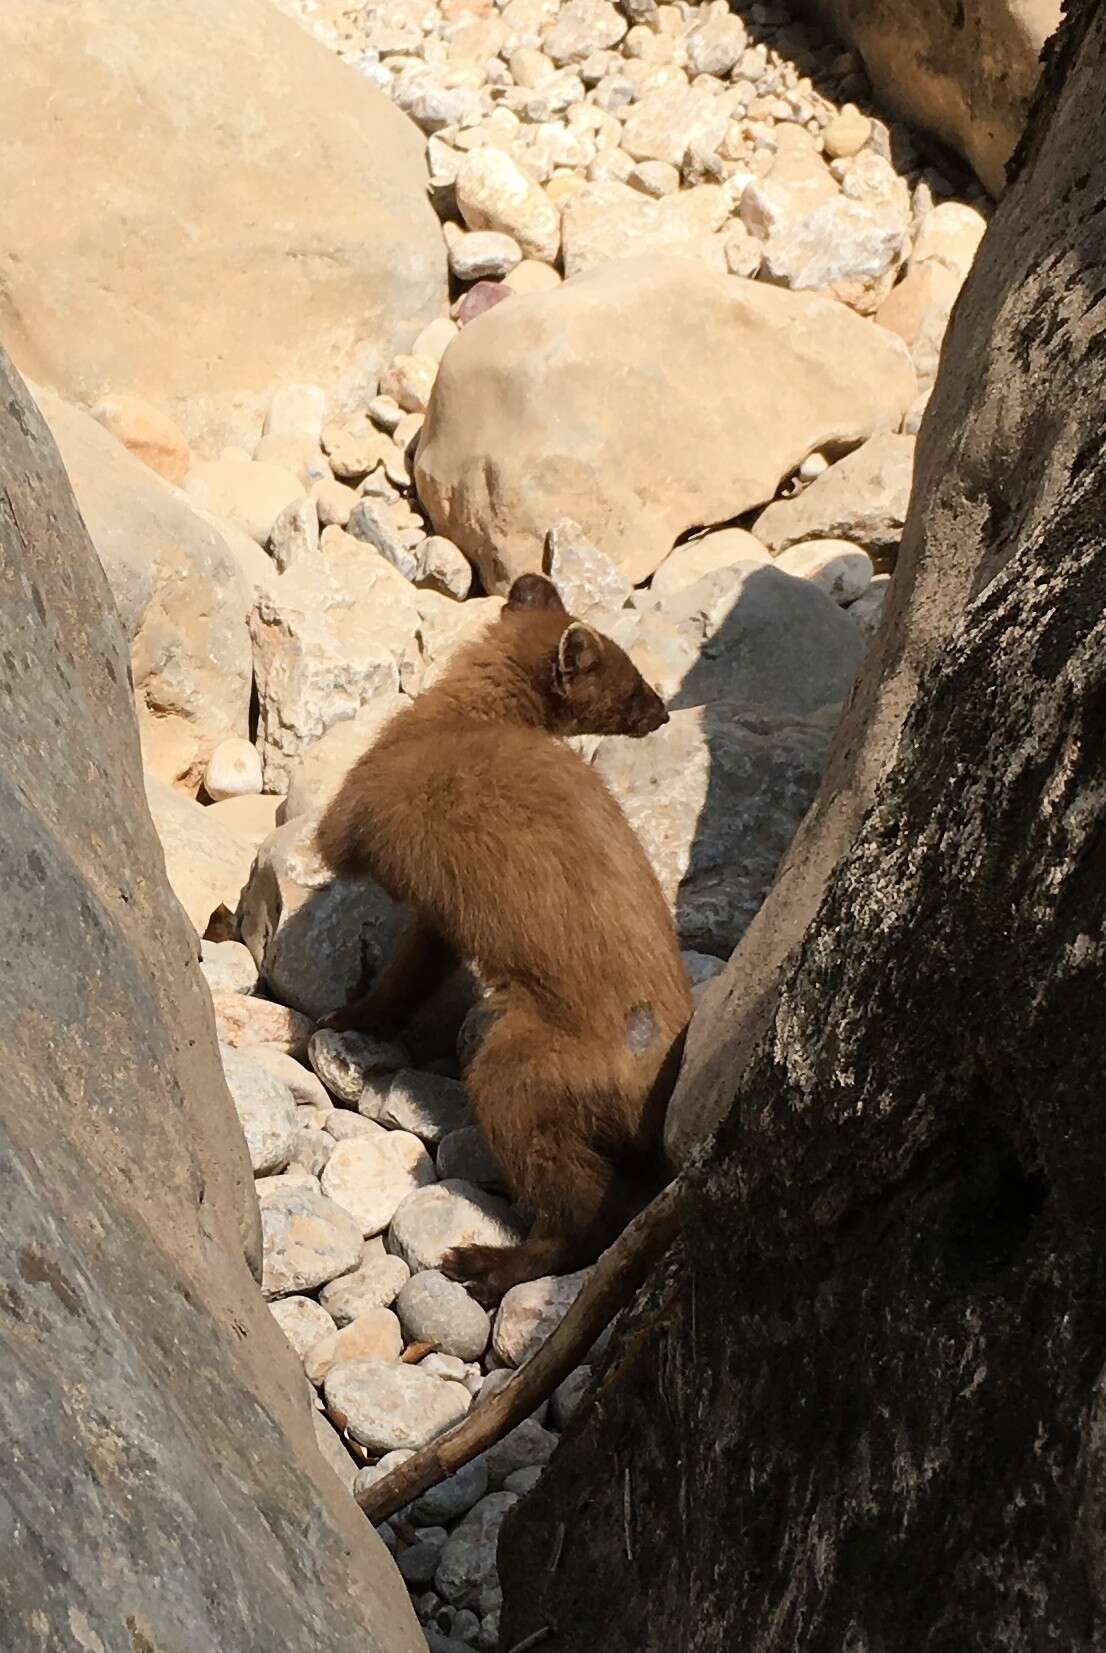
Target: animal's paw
479, 1269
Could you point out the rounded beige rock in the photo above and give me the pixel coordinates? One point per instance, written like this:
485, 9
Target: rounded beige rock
233, 770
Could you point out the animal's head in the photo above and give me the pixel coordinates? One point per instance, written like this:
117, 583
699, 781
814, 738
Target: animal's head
591, 686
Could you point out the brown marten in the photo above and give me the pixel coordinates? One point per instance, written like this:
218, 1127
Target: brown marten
517, 860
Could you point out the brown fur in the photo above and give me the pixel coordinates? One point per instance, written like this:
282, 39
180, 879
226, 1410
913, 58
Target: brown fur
516, 858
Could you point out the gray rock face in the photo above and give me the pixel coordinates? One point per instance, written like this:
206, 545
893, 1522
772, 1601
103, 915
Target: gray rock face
716, 796
529, 1443
907, 1153
116, 1446
465, 1155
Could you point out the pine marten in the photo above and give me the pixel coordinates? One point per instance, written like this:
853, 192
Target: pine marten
517, 860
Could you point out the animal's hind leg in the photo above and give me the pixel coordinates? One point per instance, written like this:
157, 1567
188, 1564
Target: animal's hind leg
418, 965
540, 1128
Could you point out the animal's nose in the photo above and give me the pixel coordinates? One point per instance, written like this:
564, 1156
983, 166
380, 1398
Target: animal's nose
663, 717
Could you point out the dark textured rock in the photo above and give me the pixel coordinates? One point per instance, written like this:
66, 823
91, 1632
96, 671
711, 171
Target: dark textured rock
861, 1405
162, 1486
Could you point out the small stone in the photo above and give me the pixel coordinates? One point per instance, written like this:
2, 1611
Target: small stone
716, 45
528, 1443
385, 412
531, 276
484, 296
334, 501
307, 1092
302, 1321
725, 548
243, 1020
368, 522
813, 466
296, 1177
435, 1310
312, 1149
744, 253
468, 1559
373, 1284
866, 611
523, 1481
388, 1405
452, 1497
443, 567
308, 1240
427, 1104
233, 770
582, 27
345, 1062
342, 1125
228, 967
567, 1396
295, 533
847, 133
586, 578
480, 253
411, 423
493, 193
370, 1177
447, 1366
496, 1380
419, 1562
354, 449
435, 339
433, 1220
950, 234
409, 381
297, 411
374, 1333
530, 1312
655, 178
701, 967
465, 1155
843, 571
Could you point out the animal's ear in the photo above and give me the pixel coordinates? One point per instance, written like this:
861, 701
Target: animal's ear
580, 650
534, 591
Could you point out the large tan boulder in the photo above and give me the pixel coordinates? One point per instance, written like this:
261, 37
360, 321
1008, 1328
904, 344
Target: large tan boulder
214, 205
643, 399
182, 598
965, 73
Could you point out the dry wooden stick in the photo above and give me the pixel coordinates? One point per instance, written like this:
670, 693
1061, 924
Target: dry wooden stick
616, 1276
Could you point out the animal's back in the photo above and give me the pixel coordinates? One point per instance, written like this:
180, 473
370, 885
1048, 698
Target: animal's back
514, 847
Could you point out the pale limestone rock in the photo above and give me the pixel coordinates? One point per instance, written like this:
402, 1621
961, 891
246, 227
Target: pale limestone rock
766, 377
388, 1406
370, 1177
233, 770
308, 1240
375, 1334
528, 1313
724, 548
843, 571
434, 1219
493, 193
